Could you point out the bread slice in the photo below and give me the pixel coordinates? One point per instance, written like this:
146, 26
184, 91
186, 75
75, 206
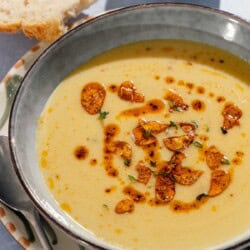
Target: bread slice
40, 19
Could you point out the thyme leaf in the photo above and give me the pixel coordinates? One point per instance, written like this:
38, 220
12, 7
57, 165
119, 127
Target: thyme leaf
132, 178
147, 133
195, 123
127, 162
225, 161
173, 124
103, 115
105, 206
197, 144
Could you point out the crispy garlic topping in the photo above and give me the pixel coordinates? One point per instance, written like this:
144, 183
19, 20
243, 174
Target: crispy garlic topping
124, 206
143, 133
165, 167
219, 182
188, 128
176, 102
213, 157
143, 137
121, 148
176, 143
144, 173
166, 173
186, 176
183, 175
232, 115
177, 158
92, 97
153, 126
134, 194
127, 92
164, 188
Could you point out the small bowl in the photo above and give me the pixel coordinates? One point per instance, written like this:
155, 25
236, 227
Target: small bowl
115, 28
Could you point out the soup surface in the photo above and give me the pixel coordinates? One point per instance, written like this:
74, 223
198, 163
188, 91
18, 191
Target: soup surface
147, 145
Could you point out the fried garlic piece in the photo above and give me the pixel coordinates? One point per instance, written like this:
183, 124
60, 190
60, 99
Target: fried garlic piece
176, 143
154, 126
144, 173
213, 157
165, 167
232, 115
143, 137
186, 176
177, 102
219, 182
134, 194
164, 188
127, 92
188, 128
177, 158
92, 97
121, 148
124, 206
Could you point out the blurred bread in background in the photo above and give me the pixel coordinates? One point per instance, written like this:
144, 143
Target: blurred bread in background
40, 19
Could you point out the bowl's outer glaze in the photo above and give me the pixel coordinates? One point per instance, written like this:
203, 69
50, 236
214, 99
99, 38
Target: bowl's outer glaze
145, 22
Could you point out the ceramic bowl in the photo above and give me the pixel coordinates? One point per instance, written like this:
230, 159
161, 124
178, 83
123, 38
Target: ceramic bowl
144, 22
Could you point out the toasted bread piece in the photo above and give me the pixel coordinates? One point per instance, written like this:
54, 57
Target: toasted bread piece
40, 19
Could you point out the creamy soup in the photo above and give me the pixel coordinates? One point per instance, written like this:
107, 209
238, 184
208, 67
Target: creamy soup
147, 145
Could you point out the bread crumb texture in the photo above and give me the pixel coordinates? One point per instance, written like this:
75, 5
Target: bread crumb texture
39, 19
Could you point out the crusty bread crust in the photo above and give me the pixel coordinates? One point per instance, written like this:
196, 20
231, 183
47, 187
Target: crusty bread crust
45, 31
10, 27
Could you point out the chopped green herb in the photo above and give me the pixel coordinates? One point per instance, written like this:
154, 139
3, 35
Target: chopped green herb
173, 124
127, 162
225, 161
147, 133
195, 123
105, 206
200, 196
179, 109
197, 144
174, 107
207, 129
103, 115
149, 187
132, 178
224, 131
153, 163
170, 104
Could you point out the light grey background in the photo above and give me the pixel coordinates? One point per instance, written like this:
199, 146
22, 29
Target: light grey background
13, 46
